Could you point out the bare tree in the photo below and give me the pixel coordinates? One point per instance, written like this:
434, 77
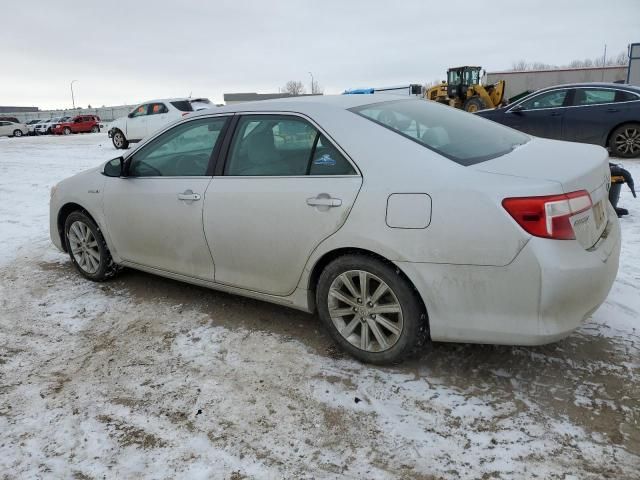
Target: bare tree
599, 61
519, 66
294, 88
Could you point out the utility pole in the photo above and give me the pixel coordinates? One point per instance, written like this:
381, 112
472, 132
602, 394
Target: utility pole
604, 60
312, 82
73, 100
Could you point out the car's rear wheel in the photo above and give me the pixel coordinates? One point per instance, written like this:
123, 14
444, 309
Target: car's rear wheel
87, 248
625, 140
119, 140
370, 309
66, 131
17, 133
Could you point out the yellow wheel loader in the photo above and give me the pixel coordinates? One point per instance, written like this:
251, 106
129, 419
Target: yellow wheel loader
463, 90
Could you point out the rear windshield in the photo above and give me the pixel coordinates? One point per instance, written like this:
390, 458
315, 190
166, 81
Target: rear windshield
183, 105
459, 136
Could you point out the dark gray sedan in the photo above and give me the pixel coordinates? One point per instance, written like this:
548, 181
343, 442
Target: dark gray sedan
606, 114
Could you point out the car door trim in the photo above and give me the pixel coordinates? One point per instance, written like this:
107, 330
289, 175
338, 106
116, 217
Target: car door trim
575, 106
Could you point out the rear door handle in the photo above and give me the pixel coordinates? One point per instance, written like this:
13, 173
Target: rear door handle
555, 114
324, 200
612, 110
188, 195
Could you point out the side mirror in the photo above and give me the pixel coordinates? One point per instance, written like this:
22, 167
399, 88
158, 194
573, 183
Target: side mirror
517, 109
114, 168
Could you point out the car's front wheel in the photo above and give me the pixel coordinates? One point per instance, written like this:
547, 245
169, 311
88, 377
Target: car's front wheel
625, 140
87, 248
66, 131
370, 309
95, 129
119, 140
17, 133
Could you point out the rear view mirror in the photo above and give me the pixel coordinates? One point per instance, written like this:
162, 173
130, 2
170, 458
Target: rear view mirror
114, 168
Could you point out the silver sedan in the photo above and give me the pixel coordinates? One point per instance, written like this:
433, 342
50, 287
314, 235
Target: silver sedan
397, 221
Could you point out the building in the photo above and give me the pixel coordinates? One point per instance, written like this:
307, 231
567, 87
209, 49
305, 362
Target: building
5, 109
531, 80
231, 98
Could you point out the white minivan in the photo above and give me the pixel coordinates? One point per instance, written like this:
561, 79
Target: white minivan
151, 116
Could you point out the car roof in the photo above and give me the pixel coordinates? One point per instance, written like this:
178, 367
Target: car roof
298, 104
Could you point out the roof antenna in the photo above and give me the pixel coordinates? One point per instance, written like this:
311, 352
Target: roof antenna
190, 94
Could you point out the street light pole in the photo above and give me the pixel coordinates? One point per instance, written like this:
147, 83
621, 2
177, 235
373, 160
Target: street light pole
73, 100
312, 82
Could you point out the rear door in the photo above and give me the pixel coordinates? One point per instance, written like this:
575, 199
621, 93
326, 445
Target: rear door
541, 115
594, 113
283, 189
157, 117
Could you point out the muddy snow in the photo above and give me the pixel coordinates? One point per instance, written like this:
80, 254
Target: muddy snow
143, 377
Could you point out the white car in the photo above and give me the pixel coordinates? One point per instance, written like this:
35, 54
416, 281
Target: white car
12, 129
147, 118
394, 219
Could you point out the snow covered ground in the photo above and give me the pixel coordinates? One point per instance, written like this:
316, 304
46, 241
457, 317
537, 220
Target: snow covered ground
149, 378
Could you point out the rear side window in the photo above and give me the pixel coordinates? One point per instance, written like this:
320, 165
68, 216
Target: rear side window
593, 96
157, 108
183, 105
282, 145
622, 96
459, 136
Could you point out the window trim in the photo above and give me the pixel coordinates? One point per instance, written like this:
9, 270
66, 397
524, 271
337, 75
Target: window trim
572, 97
212, 158
224, 156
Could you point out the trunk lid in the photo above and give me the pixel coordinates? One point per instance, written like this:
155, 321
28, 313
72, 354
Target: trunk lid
575, 166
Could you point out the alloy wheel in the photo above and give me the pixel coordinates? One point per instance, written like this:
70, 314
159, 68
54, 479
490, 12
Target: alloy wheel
628, 141
365, 310
118, 140
84, 247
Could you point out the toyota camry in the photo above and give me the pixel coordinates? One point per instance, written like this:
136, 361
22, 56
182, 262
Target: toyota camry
397, 220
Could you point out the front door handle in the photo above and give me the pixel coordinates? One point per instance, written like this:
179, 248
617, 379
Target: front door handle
555, 114
189, 196
324, 200
612, 110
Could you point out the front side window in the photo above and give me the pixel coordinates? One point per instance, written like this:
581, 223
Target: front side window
546, 100
140, 111
459, 136
184, 150
282, 145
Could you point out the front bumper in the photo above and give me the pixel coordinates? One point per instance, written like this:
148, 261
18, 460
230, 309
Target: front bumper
544, 294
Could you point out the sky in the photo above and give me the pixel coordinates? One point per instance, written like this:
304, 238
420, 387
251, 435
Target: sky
124, 52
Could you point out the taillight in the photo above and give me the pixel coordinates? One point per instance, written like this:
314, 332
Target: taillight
548, 216
185, 113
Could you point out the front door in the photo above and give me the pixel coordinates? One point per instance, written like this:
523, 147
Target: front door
137, 123
541, 115
285, 188
154, 214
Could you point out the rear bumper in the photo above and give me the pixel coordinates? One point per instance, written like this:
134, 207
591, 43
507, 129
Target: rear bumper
548, 290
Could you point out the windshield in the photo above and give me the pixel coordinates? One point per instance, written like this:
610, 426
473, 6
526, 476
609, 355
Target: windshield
459, 136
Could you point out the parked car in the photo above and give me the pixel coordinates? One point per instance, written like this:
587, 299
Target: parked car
393, 219
149, 117
606, 114
77, 124
12, 129
31, 125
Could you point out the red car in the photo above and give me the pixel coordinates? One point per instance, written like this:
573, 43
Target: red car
78, 124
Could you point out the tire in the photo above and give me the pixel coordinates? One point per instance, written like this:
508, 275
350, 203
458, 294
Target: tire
95, 129
119, 140
17, 133
624, 141
87, 248
66, 131
474, 104
405, 326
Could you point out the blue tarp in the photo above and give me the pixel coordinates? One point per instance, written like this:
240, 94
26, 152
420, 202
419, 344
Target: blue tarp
359, 91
